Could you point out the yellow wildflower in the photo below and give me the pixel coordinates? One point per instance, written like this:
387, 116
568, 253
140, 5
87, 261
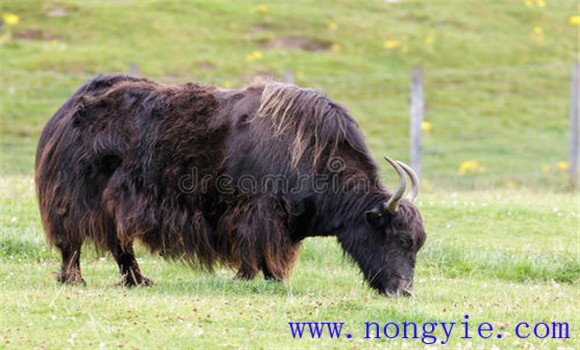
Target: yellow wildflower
256, 55
563, 166
263, 9
429, 40
538, 35
469, 167
228, 85
511, 183
10, 19
391, 44
536, 3
574, 20
299, 75
332, 26
426, 127
335, 47
546, 168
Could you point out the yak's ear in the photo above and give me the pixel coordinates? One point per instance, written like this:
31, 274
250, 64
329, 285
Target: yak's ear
374, 217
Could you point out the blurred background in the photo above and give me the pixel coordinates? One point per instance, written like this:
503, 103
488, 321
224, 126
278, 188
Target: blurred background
496, 77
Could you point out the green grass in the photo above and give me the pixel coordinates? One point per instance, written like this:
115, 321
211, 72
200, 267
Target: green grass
500, 256
495, 93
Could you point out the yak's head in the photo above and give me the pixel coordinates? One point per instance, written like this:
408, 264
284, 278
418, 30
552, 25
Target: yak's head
385, 240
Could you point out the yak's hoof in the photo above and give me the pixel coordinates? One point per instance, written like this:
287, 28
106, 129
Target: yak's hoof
129, 280
73, 278
245, 276
273, 279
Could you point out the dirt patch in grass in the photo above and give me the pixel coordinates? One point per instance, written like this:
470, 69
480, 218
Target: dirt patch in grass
258, 30
57, 12
35, 34
304, 44
205, 65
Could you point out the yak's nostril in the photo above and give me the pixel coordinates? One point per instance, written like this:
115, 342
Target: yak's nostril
402, 287
406, 288
400, 293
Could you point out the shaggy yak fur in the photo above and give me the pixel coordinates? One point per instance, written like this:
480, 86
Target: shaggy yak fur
128, 159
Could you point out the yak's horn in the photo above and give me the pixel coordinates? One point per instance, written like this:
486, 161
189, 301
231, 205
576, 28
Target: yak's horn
396, 197
414, 181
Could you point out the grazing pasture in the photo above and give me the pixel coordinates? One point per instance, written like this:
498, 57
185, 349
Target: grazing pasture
501, 219
467, 267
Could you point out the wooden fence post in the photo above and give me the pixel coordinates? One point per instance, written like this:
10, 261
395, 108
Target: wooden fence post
133, 70
574, 101
288, 77
417, 110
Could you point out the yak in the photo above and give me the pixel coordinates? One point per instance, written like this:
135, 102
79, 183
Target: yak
219, 177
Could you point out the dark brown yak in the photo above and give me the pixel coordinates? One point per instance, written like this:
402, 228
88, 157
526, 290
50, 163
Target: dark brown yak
211, 176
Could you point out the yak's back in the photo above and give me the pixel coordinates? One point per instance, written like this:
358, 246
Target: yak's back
119, 114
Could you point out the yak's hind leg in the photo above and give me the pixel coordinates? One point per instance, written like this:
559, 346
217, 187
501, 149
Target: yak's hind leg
70, 272
131, 275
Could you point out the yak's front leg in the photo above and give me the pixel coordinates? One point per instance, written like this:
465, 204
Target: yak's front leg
261, 241
247, 273
279, 261
269, 275
131, 275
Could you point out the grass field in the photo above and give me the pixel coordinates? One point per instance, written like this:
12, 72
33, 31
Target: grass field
503, 242
502, 257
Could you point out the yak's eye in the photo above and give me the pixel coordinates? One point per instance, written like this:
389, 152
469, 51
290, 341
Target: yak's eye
406, 242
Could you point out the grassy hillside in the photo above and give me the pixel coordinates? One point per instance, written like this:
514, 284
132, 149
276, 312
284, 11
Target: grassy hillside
497, 74
173, 38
